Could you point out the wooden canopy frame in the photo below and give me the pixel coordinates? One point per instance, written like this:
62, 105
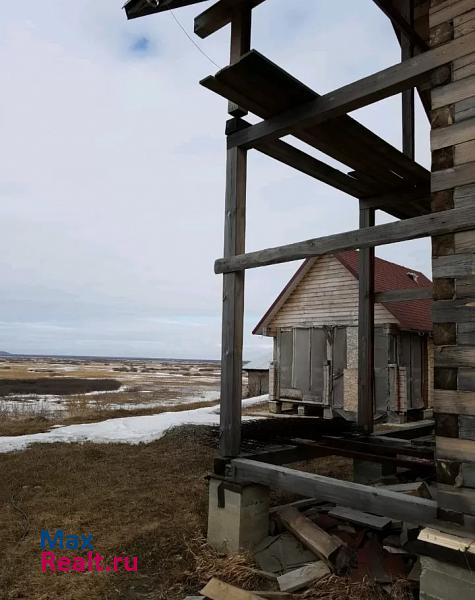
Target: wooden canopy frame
382, 177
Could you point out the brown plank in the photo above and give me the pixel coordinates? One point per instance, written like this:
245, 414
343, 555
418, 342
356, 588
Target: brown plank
455, 356
449, 11
453, 134
450, 178
312, 537
455, 449
453, 92
218, 590
454, 402
241, 22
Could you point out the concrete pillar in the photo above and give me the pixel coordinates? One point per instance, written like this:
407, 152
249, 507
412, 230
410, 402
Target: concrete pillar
443, 581
238, 517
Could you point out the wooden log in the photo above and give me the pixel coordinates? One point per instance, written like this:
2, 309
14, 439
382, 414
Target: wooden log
450, 178
453, 92
233, 305
219, 15
464, 153
218, 590
454, 134
361, 497
454, 402
455, 356
453, 311
365, 414
376, 87
404, 295
433, 224
467, 427
448, 11
455, 449
455, 265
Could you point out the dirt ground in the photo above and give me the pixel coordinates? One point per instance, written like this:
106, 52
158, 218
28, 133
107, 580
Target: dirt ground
148, 501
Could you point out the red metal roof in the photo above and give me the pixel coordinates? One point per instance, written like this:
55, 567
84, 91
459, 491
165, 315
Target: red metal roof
414, 314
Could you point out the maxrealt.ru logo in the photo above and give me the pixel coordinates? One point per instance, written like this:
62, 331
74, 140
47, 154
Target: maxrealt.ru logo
91, 562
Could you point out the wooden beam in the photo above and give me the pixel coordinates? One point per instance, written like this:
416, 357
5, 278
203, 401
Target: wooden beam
404, 295
401, 23
408, 98
219, 15
241, 22
449, 221
142, 8
370, 499
365, 414
233, 305
370, 89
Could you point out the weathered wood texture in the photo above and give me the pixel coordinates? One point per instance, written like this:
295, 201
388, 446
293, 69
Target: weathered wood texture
453, 146
375, 500
439, 223
366, 379
233, 305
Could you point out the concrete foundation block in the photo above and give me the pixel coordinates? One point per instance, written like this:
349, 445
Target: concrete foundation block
238, 517
443, 581
275, 407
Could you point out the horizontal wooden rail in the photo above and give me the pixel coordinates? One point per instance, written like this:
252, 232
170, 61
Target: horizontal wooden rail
440, 223
404, 295
354, 495
370, 89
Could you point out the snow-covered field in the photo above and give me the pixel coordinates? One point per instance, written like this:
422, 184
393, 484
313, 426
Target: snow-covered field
129, 430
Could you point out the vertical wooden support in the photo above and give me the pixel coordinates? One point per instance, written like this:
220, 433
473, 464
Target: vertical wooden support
366, 329
240, 44
233, 304
408, 104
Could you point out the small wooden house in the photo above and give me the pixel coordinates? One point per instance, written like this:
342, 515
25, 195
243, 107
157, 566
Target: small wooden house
314, 323
257, 377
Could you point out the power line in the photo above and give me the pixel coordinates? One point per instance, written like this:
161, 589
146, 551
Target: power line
192, 40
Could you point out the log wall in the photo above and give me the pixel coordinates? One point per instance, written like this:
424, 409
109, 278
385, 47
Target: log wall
453, 185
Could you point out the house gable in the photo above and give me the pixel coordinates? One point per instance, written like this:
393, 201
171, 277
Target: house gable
322, 292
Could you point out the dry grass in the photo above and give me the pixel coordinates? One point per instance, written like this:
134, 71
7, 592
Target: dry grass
142, 500
338, 588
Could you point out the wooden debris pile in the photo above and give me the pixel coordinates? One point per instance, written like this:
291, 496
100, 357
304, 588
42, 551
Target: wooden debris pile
320, 551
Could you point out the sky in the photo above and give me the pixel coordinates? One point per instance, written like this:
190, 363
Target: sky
112, 163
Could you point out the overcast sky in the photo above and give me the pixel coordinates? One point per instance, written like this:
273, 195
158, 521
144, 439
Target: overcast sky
112, 172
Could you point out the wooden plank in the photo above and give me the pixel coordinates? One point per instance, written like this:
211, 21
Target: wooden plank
142, 8
466, 379
465, 109
370, 89
408, 97
449, 11
233, 305
453, 311
464, 153
402, 24
455, 449
453, 92
438, 223
457, 499
360, 518
450, 178
361, 497
453, 134
467, 427
454, 265
454, 356
312, 537
298, 579
404, 295
454, 402
219, 15
415, 488
365, 415
218, 590
241, 22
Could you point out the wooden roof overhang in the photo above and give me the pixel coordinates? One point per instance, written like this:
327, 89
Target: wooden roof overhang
141, 8
379, 170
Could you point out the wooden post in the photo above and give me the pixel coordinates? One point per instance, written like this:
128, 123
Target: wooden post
366, 329
408, 106
240, 44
